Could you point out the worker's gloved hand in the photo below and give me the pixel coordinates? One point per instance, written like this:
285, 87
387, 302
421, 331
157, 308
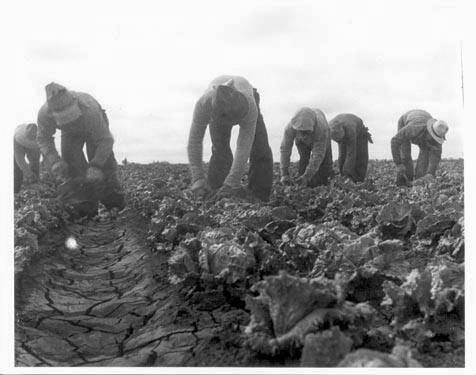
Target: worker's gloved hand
285, 180
94, 174
302, 180
59, 169
200, 188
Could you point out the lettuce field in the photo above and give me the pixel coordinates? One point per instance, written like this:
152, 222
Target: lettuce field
349, 275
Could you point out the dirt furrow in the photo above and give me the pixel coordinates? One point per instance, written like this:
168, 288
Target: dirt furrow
108, 302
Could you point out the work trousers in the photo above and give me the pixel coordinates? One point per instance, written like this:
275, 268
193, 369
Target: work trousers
355, 168
260, 175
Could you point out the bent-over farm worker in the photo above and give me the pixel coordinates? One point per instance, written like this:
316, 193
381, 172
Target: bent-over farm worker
310, 131
228, 101
81, 121
353, 138
420, 128
25, 145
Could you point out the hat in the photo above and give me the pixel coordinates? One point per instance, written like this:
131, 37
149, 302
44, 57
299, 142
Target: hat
25, 135
228, 103
337, 132
437, 130
303, 122
62, 104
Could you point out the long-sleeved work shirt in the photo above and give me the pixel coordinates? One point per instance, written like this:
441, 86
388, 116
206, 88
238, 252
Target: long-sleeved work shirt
202, 117
413, 129
21, 145
92, 125
320, 140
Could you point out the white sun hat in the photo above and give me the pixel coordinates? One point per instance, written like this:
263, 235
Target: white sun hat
437, 130
303, 120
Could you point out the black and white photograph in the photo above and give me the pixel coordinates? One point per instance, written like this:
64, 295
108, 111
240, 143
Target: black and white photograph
218, 186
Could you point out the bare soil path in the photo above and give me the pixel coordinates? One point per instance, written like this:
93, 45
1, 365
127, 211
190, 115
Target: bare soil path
108, 303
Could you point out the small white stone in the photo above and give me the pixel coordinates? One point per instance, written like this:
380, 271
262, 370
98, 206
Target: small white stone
71, 243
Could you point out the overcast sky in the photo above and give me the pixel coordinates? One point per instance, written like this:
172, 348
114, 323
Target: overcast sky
148, 62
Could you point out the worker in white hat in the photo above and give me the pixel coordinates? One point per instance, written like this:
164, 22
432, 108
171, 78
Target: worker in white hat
25, 146
82, 121
309, 130
418, 127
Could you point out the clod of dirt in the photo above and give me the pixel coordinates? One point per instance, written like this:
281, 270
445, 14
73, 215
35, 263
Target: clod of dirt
325, 349
401, 356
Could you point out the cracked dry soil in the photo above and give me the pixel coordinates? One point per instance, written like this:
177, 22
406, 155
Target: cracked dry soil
108, 303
